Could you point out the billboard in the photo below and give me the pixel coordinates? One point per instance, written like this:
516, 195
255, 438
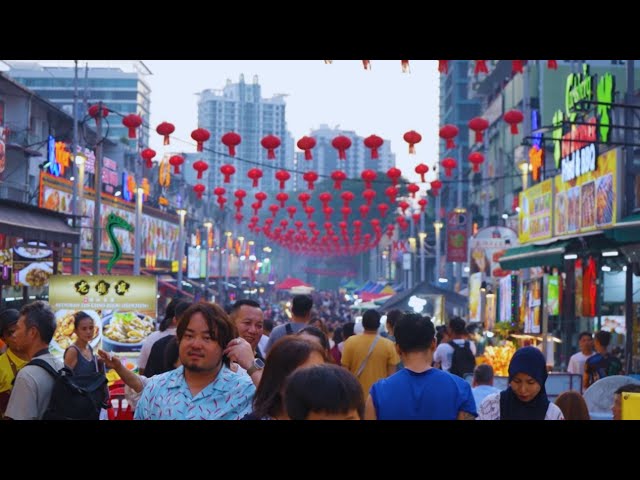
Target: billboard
536, 207
457, 235
487, 247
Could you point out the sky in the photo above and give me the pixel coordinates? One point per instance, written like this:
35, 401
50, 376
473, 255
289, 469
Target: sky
382, 101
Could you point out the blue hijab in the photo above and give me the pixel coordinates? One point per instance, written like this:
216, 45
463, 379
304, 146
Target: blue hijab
530, 361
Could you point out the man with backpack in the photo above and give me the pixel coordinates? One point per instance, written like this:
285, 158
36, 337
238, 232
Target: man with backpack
458, 355
33, 385
301, 307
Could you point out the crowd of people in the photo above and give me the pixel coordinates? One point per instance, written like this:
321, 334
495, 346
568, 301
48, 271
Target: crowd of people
210, 363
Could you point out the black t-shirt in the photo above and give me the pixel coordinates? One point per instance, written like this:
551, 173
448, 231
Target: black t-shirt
157, 362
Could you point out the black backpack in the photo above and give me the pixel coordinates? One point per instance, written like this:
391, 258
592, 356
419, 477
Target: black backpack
75, 397
463, 360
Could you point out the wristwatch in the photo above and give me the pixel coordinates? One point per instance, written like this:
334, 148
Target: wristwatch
257, 365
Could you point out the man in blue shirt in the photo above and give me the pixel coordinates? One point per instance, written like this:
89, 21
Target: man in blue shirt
483, 383
418, 391
203, 388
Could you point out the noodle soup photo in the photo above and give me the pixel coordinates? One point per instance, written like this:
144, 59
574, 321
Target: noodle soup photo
125, 331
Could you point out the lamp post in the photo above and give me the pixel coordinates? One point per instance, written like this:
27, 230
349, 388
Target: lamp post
97, 211
181, 212
137, 247
208, 225
423, 238
78, 190
438, 226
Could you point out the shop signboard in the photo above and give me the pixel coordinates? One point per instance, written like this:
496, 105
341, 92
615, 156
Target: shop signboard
123, 309
536, 209
590, 201
458, 227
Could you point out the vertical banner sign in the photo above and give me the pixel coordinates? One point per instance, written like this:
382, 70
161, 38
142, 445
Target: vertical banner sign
123, 309
505, 299
457, 235
475, 306
552, 296
490, 311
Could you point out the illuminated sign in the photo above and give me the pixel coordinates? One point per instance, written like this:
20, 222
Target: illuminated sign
51, 156
536, 152
126, 193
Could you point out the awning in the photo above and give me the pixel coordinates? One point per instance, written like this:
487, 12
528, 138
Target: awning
33, 223
626, 230
528, 256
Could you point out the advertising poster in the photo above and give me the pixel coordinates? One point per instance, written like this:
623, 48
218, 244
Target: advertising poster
487, 247
32, 264
505, 299
475, 306
590, 201
457, 235
553, 295
536, 209
614, 324
533, 303
490, 311
123, 309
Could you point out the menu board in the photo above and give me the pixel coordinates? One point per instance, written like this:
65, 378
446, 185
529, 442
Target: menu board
590, 201
123, 309
536, 209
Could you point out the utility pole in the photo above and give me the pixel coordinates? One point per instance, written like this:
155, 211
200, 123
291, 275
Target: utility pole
181, 212
630, 204
97, 216
137, 248
77, 186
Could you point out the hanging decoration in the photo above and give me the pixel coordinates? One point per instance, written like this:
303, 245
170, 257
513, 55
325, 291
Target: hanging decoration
306, 144
282, 198
423, 204
478, 125
227, 171
517, 66
443, 66
391, 193
449, 164
394, 175
368, 176
254, 174
476, 159
240, 194
200, 135
176, 161
436, 185
342, 144
270, 143
282, 176
199, 189
481, 67
369, 195
310, 177
147, 155
260, 197
513, 118
422, 169
412, 138
231, 140
94, 110
405, 66
373, 142
165, 129
448, 133
303, 198
338, 176
200, 166
366, 64
552, 64
412, 188
132, 121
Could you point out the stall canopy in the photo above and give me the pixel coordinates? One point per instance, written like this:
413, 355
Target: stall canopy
290, 283
33, 223
626, 230
551, 255
400, 301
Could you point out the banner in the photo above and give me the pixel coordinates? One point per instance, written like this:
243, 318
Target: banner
506, 299
487, 247
552, 296
475, 306
590, 201
123, 309
457, 235
534, 218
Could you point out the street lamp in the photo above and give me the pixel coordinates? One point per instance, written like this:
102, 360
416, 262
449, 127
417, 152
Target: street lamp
181, 212
423, 273
208, 225
438, 226
138, 231
78, 190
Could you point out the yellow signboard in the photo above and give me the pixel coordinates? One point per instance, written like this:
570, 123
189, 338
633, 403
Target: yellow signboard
588, 202
536, 209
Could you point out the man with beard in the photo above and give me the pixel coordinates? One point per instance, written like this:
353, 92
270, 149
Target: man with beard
203, 387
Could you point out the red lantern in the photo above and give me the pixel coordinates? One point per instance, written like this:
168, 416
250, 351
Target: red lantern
200, 135
346, 211
306, 144
369, 195
254, 174
412, 188
282, 197
481, 67
240, 194
231, 140
394, 174
284, 223
199, 189
256, 206
449, 164
366, 64
383, 208
201, 167
165, 129
292, 210
423, 204
132, 121
517, 66
391, 193
364, 210
312, 227
373, 142
238, 204
238, 216
282, 176
338, 176
274, 210
347, 197
343, 225
478, 125
176, 161
403, 205
368, 176
94, 111
476, 159
449, 132
227, 171
310, 177
405, 66
416, 218
303, 198
327, 213
422, 169
341, 143
299, 224
552, 64
325, 198
436, 185
270, 143
147, 154
260, 197
219, 191
443, 66
412, 138
513, 118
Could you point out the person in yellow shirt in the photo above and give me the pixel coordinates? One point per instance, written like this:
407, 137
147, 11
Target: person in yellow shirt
369, 356
11, 361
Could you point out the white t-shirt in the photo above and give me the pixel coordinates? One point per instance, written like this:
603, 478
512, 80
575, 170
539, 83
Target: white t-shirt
577, 361
444, 353
490, 409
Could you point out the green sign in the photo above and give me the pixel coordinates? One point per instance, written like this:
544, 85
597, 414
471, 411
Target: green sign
114, 221
553, 297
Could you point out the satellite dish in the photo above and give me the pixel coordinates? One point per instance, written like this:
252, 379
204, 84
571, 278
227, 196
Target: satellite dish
599, 396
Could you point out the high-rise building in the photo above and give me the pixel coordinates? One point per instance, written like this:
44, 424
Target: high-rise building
240, 108
122, 91
326, 160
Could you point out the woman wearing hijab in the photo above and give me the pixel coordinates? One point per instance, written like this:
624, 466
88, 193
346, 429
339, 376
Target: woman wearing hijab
525, 398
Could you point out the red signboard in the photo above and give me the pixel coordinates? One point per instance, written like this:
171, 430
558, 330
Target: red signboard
457, 236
